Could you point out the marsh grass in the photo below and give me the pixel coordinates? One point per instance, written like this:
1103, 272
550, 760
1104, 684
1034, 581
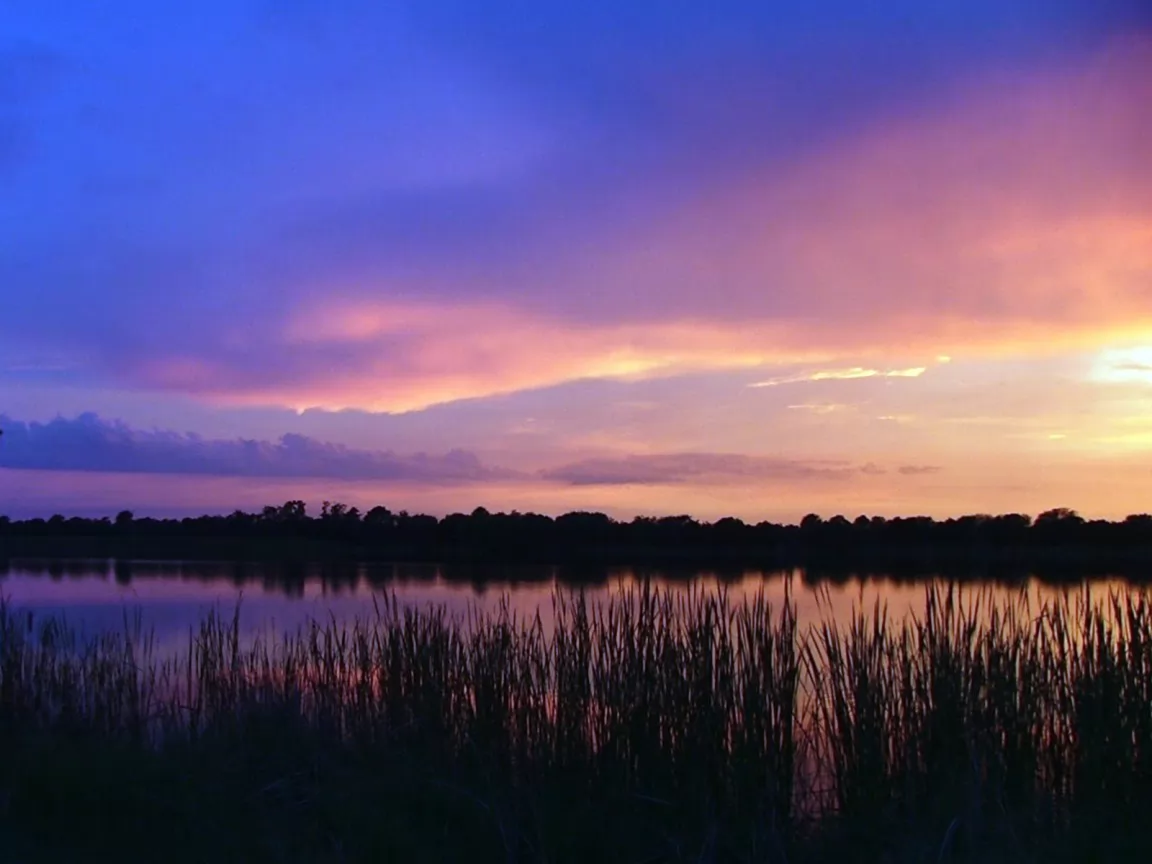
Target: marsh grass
654, 726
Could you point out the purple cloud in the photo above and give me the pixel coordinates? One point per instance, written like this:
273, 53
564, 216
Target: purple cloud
89, 443
915, 470
685, 467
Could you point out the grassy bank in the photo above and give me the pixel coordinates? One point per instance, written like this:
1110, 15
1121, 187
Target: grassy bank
655, 727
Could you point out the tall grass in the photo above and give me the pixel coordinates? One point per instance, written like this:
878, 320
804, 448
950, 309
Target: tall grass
652, 726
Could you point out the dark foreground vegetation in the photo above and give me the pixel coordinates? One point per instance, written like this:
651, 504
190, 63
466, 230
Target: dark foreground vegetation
658, 727
1056, 540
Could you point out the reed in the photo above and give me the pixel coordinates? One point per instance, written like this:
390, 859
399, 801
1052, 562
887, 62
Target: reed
654, 726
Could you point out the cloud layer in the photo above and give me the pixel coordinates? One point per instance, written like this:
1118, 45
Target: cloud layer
88, 443
689, 467
715, 469
1015, 217
1005, 209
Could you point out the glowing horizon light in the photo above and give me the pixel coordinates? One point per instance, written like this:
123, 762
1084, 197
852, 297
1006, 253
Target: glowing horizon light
851, 374
1124, 365
819, 407
845, 374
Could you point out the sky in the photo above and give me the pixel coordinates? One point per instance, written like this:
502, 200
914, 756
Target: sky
715, 258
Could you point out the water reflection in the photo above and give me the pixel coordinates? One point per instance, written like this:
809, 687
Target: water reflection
172, 596
294, 579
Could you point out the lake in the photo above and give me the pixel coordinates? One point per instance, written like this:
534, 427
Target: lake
838, 731
170, 596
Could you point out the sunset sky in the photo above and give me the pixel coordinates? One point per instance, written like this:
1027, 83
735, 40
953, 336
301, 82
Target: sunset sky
717, 257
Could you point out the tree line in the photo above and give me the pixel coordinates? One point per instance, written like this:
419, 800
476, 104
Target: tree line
483, 535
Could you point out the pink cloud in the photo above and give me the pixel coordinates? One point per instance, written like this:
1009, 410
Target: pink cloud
400, 356
1018, 211
1014, 218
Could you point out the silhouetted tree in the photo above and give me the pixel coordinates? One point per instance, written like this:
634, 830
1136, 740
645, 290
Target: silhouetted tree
378, 516
591, 536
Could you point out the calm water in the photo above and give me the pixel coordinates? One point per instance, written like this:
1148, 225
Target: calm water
172, 597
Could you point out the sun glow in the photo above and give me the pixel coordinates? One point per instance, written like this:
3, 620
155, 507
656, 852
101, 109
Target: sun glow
1124, 365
